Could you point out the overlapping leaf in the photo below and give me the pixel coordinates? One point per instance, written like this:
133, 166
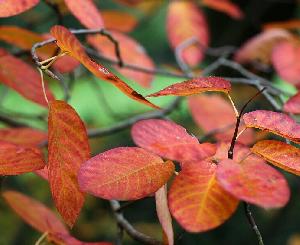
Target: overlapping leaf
195, 86
225, 6
275, 122
119, 21
197, 201
68, 43
124, 173
279, 154
185, 21
169, 140
131, 52
68, 148
293, 104
14, 7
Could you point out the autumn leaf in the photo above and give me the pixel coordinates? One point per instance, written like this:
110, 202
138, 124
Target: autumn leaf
124, 173
293, 104
68, 148
70, 44
169, 140
14, 7
195, 86
280, 154
225, 6
275, 122
119, 21
289, 25
185, 21
197, 201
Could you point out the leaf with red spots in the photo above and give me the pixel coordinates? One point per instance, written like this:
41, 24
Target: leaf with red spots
170, 141
68, 148
131, 52
124, 173
185, 21
225, 6
275, 122
119, 21
14, 7
293, 104
195, 86
280, 154
16, 159
197, 201
86, 12
70, 44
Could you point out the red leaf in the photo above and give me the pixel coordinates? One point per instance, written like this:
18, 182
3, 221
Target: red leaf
253, 181
275, 122
124, 173
197, 201
280, 154
225, 6
185, 21
86, 12
293, 104
14, 7
12, 72
131, 52
119, 21
170, 140
195, 86
68, 42
68, 148
285, 58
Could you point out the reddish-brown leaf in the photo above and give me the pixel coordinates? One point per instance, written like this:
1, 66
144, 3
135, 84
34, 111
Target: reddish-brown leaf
86, 12
68, 148
275, 122
14, 7
195, 86
285, 58
119, 21
12, 72
69, 43
289, 24
197, 201
170, 141
131, 52
16, 159
185, 21
293, 104
124, 173
253, 181
213, 113
280, 154
225, 6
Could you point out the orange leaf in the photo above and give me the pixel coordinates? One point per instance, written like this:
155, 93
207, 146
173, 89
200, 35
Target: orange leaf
68, 148
280, 154
253, 181
14, 7
185, 21
16, 159
293, 104
225, 6
289, 24
69, 43
119, 21
86, 12
197, 201
169, 140
131, 52
12, 72
275, 122
195, 86
124, 173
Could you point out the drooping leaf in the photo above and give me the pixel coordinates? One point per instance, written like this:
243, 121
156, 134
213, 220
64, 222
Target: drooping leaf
68, 148
195, 86
280, 154
285, 58
12, 74
253, 181
124, 173
197, 201
86, 12
16, 159
163, 214
275, 122
119, 21
289, 24
213, 113
169, 140
14, 7
132, 53
225, 6
185, 21
293, 104
69, 43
